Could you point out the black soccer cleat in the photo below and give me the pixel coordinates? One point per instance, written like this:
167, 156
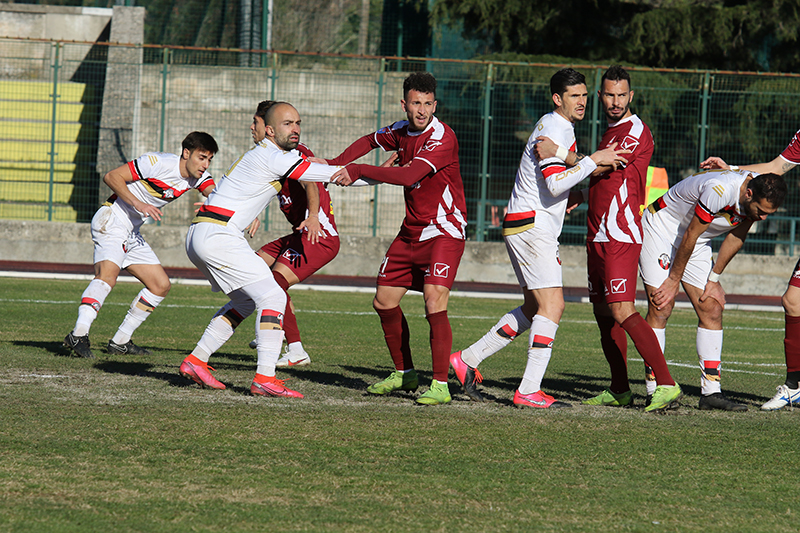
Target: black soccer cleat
126, 349
719, 401
79, 345
468, 376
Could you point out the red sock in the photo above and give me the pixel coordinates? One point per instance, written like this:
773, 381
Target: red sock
290, 328
615, 348
441, 344
647, 345
396, 333
791, 343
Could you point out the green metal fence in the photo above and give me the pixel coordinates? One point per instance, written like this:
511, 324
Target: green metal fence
69, 112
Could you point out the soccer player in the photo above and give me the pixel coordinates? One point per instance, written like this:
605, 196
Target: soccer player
789, 392
531, 228
216, 245
426, 253
613, 242
678, 228
141, 188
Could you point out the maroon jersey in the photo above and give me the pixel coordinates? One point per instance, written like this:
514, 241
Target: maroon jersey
428, 168
792, 152
294, 202
617, 198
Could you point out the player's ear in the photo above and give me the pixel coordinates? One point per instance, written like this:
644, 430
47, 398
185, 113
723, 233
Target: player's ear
557, 99
186, 154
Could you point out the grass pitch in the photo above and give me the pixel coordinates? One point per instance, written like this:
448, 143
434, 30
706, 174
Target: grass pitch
126, 444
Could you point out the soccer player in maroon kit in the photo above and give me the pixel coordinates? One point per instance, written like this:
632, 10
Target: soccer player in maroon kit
789, 392
613, 242
426, 253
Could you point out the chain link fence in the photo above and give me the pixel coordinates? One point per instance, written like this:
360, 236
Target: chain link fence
70, 112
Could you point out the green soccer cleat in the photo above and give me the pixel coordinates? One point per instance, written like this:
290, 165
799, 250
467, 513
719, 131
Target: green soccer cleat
665, 397
611, 399
397, 380
438, 393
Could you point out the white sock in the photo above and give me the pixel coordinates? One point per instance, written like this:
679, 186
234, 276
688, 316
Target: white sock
543, 332
506, 330
269, 349
709, 350
649, 376
91, 301
218, 331
140, 309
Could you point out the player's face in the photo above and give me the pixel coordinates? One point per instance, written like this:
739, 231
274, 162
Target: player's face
284, 127
197, 162
758, 210
258, 129
616, 97
572, 104
419, 108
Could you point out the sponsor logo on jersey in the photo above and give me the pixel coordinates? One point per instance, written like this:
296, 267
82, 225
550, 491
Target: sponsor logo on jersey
441, 270
558, 257
796, 274
292, 256
285, 200
384, 130
663, 261
629, 143
431, 145
169, 194
619, 285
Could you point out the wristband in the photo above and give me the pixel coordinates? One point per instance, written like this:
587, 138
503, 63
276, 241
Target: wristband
733, 167
713, 277
562, 153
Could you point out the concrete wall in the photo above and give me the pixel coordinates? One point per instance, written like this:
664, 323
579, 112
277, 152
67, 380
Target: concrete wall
359, 256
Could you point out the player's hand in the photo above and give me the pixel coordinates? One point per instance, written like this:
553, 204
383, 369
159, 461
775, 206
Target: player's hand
544, 148
318, 160
713, 290
610, 157
148, 210
575, 199
392, 160
713, 163
665, 293
342, 177
199, 205
314, 228
253, 227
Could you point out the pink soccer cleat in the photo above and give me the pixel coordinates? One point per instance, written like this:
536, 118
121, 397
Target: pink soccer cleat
200, 374
537, 399
273, 387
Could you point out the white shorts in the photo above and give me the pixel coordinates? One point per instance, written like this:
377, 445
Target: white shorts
534, 256
224, 257
114, 242
658, 253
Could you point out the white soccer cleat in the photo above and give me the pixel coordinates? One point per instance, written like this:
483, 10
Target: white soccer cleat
295, 357
785, 396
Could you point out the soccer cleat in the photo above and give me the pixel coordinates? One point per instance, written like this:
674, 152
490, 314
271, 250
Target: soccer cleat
665, 397
438, 393
397, 380
128, 348
200, 375
785, 396
468, 377
79, 345
253, 344
539, 400
273, 387
611, 399
721, 402
291, 358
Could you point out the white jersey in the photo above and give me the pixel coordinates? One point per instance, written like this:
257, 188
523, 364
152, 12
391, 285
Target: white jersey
156, 181
254, 180
712, 195
542, 188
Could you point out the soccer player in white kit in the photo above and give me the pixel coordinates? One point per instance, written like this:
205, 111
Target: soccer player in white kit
216, 245
789, 392
676, 250
531, 229
141, 189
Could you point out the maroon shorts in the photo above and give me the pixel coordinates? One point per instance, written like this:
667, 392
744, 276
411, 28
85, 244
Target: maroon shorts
414, 264
302, 257
612, 268
794, 281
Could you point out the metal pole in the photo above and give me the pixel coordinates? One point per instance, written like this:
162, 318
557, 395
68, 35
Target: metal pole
487, 119
379, 113
53, 153
595, 111
704, 115
164, 73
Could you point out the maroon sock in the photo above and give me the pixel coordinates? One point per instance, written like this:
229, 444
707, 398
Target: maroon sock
290, 328
615, 348
647, 345
791, 343
395, 331
441, 344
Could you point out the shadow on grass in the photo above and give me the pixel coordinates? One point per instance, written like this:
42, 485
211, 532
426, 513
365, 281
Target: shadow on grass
53, 347
129, 368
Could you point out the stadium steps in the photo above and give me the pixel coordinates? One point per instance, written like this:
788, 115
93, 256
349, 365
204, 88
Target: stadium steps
26, 143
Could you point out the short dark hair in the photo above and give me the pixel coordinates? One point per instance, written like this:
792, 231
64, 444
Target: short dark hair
769, 187
566, 77
616, 73
200, 140
423, 82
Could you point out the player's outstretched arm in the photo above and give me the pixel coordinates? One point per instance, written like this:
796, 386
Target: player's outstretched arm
779, 166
